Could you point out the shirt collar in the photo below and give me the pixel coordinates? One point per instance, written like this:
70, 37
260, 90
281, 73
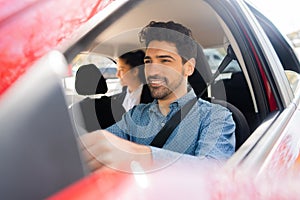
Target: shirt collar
136, 92
184, 99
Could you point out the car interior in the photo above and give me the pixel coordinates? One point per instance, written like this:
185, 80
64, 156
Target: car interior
233, 88
232, 69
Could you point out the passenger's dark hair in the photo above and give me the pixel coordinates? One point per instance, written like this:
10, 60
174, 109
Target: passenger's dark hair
135, 59
171, 32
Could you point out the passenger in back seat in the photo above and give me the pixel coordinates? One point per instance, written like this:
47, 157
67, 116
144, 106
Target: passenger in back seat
206, 133
132, 77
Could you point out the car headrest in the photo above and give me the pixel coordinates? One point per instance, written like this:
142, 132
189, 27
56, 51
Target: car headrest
90, 81
202, 73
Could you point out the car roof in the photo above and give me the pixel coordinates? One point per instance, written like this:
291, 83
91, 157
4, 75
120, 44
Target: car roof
122, 34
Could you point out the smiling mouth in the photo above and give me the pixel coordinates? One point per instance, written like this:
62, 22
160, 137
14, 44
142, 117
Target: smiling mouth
156, 82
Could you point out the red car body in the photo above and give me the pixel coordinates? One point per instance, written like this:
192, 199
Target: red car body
31, 28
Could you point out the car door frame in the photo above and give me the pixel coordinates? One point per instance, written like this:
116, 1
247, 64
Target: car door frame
267, 75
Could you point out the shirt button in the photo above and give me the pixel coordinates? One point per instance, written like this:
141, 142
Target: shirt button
162, 124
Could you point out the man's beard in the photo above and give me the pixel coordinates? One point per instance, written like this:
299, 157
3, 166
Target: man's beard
165, 89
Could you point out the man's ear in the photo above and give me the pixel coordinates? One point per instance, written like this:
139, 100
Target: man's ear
190, 67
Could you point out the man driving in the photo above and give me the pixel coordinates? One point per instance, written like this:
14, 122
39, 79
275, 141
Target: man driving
206, 133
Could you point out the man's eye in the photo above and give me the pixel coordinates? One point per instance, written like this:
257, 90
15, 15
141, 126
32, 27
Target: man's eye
147, 61
165, 60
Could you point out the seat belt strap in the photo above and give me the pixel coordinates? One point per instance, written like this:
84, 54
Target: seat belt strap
162, 136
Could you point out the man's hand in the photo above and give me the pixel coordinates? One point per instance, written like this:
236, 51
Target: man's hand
102, 148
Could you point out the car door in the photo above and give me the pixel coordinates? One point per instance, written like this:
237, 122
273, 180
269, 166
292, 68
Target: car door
269, 61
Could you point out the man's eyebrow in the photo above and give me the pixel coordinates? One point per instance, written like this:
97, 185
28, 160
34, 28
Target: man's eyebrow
165, 56
160, 56
147, 57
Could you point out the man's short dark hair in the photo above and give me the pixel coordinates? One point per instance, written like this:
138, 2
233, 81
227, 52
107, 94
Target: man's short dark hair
171, 32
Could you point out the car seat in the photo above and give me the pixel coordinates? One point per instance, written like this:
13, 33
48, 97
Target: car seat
242, 130
235, 91
199, 83
88, 81
202, 74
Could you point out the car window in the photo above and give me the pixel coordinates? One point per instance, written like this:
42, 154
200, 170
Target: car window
109, 72
293, 78
106, 65
283, 49
214, 58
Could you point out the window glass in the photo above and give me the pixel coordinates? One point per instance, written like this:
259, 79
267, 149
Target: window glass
294, 79
284, 51
215, 56
106, 66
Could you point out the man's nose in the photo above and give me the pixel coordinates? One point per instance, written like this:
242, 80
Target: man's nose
152, 68
118, 73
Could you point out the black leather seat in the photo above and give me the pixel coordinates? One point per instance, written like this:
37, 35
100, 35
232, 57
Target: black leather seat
236, 91
242, 130
88, 81
202, 74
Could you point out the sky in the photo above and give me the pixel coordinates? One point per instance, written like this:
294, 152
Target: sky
285, 14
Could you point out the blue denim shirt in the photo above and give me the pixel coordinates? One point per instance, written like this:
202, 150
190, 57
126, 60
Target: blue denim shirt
207, 131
